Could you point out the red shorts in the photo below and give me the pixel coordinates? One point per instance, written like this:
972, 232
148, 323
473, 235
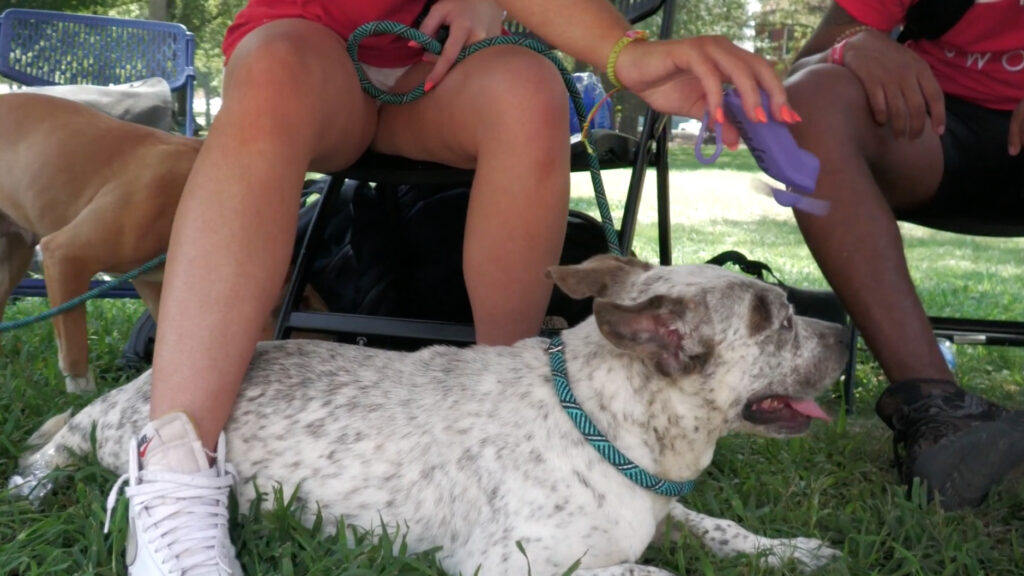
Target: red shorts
341, 16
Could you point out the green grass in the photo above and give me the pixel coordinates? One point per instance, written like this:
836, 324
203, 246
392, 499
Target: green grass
835, 484
683, 158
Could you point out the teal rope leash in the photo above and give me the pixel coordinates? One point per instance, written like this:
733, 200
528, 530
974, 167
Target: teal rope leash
434, 47
78, 300
606, 449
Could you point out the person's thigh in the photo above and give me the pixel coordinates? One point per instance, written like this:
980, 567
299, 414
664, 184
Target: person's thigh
837, 119
500, 94
292, 80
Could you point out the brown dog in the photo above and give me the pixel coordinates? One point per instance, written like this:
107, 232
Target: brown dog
96, 194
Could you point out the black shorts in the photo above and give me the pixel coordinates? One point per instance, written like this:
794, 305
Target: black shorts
980, 179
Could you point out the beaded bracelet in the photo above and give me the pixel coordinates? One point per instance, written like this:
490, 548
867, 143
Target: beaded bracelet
613, 58
846, 35
835, 53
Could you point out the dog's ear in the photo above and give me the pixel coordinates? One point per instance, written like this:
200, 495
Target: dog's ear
601, 276
664, 329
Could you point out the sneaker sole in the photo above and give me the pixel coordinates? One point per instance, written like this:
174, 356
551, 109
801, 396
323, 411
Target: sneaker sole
963, 470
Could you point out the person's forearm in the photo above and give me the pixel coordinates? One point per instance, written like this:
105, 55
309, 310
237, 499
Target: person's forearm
585, 29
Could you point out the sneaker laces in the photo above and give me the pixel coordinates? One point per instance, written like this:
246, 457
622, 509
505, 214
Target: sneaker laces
184, 515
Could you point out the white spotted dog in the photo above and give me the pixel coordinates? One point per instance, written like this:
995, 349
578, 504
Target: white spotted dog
474, 449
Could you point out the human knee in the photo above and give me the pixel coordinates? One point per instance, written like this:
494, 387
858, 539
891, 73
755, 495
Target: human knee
274, 67
526, 90
826, 87
281, 62
830, 99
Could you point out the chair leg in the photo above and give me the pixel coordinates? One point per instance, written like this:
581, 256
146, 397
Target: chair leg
631, 210
664, 212
851, 371
326, 206
979, 331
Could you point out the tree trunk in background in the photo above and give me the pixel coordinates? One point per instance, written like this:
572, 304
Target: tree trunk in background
159, 9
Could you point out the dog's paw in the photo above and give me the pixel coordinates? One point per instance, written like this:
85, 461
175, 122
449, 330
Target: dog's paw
809, 553
33, 487
14, 483
79, 384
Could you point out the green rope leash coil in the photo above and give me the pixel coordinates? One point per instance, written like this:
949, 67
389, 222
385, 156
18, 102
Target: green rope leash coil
434, 47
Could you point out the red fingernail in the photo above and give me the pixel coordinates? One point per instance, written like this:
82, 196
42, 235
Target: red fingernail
796, 117
414, 44
760, 115
789, 115
427, 86
720, 115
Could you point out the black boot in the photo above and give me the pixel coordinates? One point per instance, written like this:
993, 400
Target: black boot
959, 444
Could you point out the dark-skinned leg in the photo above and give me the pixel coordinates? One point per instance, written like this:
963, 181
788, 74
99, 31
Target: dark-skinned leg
958, 443
858, 246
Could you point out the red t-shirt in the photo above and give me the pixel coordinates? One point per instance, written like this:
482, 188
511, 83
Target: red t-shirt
980, 60
341, 16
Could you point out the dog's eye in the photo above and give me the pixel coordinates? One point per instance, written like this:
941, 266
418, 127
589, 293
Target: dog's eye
787, 324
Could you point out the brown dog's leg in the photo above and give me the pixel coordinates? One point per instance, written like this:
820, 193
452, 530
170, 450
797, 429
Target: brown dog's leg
149, 292
15, 257
67, 276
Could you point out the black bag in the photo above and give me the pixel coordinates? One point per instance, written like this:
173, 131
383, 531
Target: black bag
353, 247
138, 351
397, 251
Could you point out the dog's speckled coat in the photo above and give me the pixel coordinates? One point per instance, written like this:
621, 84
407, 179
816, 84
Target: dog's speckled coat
469, 449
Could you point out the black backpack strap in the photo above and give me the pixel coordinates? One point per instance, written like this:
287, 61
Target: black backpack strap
930, 19
755, 268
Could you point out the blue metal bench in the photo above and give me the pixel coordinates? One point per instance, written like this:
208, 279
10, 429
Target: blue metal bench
45, 48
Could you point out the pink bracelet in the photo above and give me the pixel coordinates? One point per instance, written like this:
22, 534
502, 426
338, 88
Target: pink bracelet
835, 54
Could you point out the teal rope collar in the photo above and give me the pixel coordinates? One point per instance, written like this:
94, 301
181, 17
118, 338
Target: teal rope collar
606, 449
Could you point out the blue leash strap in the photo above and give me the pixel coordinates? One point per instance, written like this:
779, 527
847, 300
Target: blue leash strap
604, 447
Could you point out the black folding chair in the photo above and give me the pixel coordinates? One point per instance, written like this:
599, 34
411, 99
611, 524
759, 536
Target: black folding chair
614, 150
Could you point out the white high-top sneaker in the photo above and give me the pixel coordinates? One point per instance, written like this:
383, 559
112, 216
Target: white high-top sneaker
177, 503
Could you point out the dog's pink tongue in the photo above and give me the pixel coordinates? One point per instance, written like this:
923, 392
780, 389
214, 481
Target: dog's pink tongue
808, 408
